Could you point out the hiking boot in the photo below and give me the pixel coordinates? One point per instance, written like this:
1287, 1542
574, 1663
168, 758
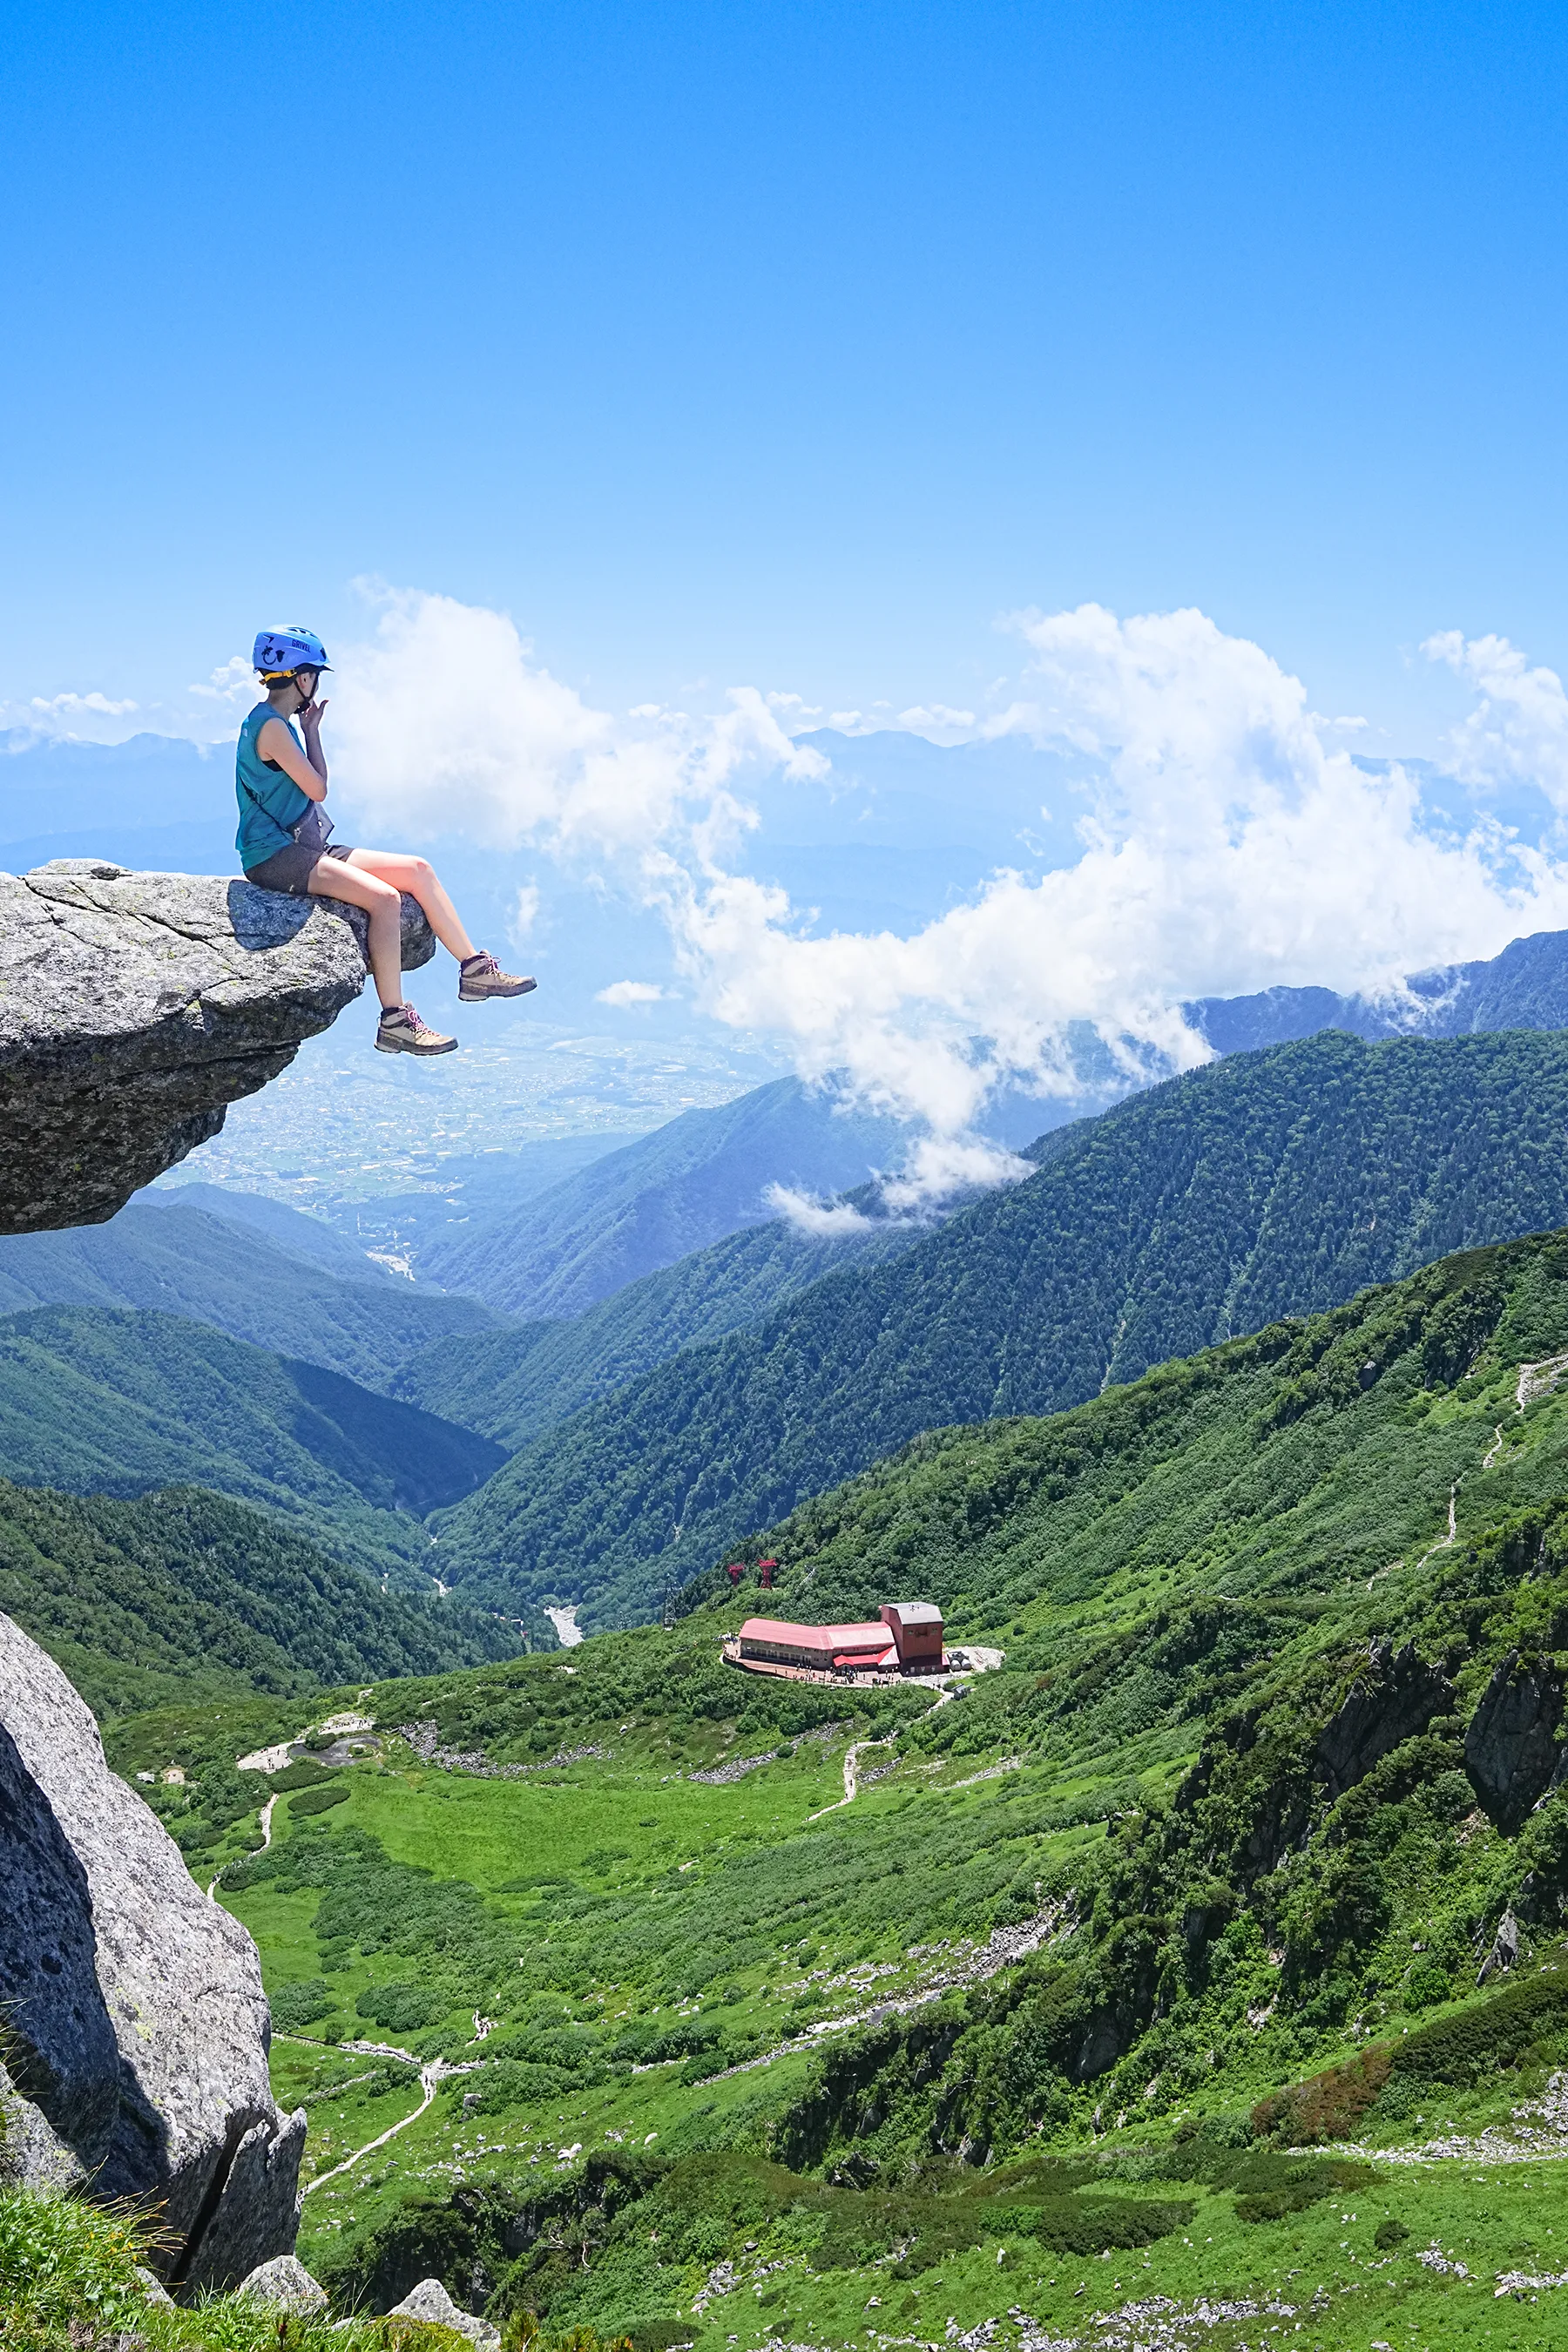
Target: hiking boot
401, 1031
481, 976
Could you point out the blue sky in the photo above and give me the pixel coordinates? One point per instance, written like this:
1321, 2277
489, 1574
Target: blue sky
787, 344
1160, 407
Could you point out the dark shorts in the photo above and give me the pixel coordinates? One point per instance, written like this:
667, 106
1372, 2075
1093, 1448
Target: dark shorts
290, 869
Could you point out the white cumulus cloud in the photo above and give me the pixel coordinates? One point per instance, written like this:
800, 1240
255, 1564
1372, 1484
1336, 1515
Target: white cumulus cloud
817, 1220
1518, 732
1230, 842
91, 718
1229, 848
444, 723
631, 991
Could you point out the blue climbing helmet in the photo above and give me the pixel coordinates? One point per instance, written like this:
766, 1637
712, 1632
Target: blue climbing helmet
279, 653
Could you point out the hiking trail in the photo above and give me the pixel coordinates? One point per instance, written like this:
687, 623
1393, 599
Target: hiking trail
431, 2077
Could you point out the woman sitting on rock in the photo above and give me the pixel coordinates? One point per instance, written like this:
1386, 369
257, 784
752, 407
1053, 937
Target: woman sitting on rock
283, 844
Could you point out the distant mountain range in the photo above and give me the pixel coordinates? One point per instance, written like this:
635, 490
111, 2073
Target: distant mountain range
115, 1401
651, 1203
280, 1281
1525, 987
1269, 1183
655, 1201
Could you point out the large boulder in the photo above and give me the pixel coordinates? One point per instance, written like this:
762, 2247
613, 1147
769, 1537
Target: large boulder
287, 2285
134, 1008
430, 2303
136, 2029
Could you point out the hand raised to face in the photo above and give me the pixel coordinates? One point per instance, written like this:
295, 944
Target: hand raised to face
311, 713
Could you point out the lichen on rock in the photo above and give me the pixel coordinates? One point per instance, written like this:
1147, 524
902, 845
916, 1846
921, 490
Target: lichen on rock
134, 1008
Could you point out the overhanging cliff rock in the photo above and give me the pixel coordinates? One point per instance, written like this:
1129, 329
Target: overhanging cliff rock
135, 2027
134, 1008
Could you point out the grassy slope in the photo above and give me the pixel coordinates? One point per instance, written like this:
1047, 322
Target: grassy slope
269, 1288
1269, 1183
1187, 1574
513, 1383
99, 1400
183, 1595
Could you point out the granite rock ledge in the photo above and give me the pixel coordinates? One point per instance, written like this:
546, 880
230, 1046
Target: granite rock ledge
136, 2028
134, 1008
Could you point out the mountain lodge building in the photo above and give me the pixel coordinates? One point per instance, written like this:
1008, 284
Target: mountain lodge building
905, 1639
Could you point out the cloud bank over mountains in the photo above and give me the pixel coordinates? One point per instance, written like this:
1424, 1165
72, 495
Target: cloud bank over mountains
1225, 839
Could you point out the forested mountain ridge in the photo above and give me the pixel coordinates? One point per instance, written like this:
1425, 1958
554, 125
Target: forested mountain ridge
287, 1288
1249, 1553
705, 1174
656, 1200
513, 1383
113, 1402
1263, 1184
181, 1596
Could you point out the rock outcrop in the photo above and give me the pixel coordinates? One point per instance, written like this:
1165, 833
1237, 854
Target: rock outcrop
134, 1008
1511, 1745
136, 2028
430, 2303
287, 2285
1395, 1695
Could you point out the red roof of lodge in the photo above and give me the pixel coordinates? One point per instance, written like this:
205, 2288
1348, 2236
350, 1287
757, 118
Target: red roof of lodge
837, 1638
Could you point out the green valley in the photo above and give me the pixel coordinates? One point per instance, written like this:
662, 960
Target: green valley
183, 1595
293, 1285
1197, 1972
514, 1382
664, 1197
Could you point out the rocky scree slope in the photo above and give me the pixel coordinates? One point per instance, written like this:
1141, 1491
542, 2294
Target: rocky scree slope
136, 2029
1265, 1184
134, 1008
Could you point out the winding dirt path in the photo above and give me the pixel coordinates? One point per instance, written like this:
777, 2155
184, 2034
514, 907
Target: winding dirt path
1535, 1379
851, 1778
431, 2078
852, 1757
1444, 1542
266, 1841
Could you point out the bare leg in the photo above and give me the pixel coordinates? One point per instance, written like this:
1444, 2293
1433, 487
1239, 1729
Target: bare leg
420, 878
334, 878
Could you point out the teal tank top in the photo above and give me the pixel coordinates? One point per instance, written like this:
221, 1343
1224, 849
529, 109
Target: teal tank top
270, 802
